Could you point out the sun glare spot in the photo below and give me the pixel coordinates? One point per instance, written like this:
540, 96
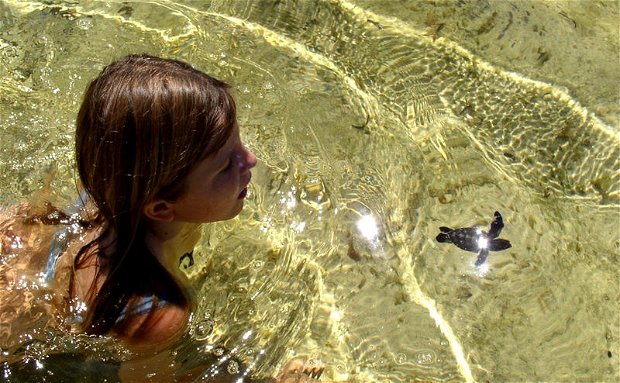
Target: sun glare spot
367, 226
336, 316
247, 335
482, 270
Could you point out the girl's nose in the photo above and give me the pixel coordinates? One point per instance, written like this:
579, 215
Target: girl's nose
250, 159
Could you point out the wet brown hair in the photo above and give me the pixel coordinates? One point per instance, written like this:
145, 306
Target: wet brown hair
143, 125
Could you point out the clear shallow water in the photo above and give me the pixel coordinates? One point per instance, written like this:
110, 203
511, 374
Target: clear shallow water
371, 135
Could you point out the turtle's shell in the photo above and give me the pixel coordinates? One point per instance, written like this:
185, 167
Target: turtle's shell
468, 238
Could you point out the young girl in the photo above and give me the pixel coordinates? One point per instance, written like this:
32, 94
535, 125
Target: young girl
158, 153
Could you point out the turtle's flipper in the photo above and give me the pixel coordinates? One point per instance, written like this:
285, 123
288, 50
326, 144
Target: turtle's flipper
442, 237
496, 226
482, 256
498, 244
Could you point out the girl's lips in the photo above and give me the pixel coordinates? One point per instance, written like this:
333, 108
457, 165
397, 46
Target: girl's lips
243, 193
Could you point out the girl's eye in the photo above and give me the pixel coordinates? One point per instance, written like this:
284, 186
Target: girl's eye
231, 162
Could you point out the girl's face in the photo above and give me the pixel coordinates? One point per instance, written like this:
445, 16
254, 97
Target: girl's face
216, 188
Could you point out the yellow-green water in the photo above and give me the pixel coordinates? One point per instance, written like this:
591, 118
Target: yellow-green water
373, 127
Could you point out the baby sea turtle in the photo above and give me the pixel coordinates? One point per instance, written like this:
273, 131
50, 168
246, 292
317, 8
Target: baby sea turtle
475, 239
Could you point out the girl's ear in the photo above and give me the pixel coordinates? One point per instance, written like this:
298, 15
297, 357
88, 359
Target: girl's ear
159, 210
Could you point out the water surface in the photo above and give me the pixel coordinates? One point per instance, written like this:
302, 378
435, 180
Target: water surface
371, 131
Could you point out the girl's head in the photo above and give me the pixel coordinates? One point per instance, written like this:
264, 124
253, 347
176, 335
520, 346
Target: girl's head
156, 140
144, 125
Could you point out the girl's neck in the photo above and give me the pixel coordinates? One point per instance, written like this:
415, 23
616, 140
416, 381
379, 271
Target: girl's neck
169, 241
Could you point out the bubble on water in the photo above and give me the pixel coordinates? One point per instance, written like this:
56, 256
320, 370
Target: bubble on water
233, 367
16, 242
203, 329
425, 357
84, 23
401, 358
6, 371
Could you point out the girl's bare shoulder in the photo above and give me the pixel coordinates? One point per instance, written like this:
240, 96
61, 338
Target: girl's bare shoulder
155, 330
